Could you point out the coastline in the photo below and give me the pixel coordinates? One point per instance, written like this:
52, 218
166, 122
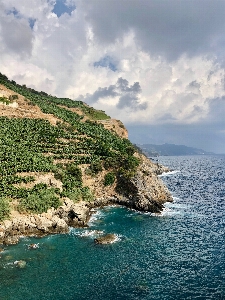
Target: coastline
144, 192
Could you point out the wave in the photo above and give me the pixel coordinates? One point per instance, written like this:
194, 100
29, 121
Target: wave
164, 174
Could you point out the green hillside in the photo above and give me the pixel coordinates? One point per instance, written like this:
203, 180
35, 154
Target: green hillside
77, 142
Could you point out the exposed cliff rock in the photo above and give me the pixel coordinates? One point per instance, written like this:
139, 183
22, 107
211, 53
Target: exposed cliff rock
54, 221
144, 192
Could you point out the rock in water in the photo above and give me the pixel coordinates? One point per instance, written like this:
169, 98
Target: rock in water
106, 239
20, 264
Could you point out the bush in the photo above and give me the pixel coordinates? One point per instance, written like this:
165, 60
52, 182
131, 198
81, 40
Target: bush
4, 209
78, 194
39, 199
96, 167
109, 179
112, 162
75, 194
75, 171
87, 194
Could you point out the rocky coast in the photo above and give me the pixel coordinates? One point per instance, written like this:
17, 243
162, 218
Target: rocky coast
76, 150
143, 192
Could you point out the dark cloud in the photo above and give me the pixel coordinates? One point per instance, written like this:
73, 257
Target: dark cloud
100, 93
194, 84
216, 110
128, 95
168, 28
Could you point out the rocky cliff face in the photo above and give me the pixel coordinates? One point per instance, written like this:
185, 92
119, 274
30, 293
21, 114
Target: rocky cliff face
144, 192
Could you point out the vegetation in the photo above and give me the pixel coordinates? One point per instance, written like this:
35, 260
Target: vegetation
109, 178
34, 145
5, 100
4, 208
39, 199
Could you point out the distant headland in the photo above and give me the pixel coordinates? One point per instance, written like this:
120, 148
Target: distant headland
170, 150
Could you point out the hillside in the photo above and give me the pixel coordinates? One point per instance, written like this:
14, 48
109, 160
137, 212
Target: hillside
60, 158
171, 149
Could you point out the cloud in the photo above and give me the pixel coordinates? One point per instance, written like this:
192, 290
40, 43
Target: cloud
127, 96
168, 28
151, 63
16, 34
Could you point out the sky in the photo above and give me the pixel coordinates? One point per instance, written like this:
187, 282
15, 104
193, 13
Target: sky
157, 65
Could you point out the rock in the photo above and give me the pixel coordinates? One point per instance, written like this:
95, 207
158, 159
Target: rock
11, 240
106, 239
33, 246
59, 225
20, 264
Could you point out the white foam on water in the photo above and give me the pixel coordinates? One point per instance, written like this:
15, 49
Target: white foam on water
164, 174
99, 214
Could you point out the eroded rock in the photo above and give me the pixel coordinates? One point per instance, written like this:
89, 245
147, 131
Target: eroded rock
106, 239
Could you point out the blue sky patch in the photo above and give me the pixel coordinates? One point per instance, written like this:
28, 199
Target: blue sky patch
32, 22
13, 11
60, 8
106, 62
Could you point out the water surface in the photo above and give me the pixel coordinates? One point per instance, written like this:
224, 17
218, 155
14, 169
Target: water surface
178, 255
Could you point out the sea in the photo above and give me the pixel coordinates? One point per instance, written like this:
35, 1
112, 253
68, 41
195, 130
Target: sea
179, 254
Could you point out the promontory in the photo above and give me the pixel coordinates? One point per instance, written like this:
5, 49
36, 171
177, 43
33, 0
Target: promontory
60, 159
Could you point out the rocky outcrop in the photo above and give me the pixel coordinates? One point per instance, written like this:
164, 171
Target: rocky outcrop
54, 221
106, 239
144, 192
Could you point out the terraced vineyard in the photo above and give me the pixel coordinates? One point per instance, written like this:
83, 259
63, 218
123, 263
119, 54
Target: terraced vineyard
77, 142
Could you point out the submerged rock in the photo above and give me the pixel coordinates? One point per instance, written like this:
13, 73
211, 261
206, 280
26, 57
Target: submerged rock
106, 239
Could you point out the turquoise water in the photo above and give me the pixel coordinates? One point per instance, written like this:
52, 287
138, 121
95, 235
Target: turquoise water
178, 255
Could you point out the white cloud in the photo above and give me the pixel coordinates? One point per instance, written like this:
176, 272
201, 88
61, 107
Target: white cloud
58, 55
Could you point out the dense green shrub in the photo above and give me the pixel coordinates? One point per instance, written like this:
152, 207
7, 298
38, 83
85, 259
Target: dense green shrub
4, 208
95, 167
4, 100
109, 178
77, 194
39, 199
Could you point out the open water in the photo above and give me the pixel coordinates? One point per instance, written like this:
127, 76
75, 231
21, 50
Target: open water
178, 255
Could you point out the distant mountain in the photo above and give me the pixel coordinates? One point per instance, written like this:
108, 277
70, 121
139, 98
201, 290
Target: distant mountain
170, 149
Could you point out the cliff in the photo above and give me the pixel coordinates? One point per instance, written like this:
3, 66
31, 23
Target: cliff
60, 158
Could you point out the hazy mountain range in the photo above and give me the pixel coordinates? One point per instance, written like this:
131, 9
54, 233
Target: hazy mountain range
170, 149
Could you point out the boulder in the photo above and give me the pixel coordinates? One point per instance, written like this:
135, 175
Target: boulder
106, 239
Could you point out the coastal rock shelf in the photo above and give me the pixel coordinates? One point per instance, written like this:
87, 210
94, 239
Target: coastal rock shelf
54, 221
